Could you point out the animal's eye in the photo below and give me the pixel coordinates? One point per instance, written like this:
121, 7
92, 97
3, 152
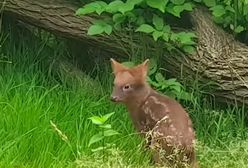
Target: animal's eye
126, 87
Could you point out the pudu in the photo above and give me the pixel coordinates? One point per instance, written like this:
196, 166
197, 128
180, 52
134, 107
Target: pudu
159, 119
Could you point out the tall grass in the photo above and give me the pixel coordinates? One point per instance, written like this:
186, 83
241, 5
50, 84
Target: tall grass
31, 99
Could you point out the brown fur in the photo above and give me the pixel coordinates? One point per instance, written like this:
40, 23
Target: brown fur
160, 119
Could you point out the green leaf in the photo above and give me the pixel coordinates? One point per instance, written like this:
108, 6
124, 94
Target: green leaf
114, 6
107, 116
174, 37
239, 29
186, 38
108, 29
110, 132
177, 88
126, 7
172, 81
96, 120
177, 2
106, 126
95, 29
156, 34
135, 2
228, 20
157, 4
177, 9
117, 26
218, 10
188, 6
97, 6
158, 22
145, 28
229, 8
166, 37
209, 3
166, 34
101, 7
84, 11
95, 138
170, 9
219, 20
99, 27
159, 78
198, 1
189, 49
118, 18
131, 16
140, 20
167, 29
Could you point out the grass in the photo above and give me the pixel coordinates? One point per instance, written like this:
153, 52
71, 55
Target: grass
30, 98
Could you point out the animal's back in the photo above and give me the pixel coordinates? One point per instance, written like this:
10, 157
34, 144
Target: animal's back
158, 106
170, 127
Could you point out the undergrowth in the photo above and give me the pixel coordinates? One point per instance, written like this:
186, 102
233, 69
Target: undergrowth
44, 120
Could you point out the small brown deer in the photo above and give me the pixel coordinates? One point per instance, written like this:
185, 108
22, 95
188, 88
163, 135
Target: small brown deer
161, 120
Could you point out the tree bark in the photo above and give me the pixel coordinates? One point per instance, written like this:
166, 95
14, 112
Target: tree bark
58, 16
219, 60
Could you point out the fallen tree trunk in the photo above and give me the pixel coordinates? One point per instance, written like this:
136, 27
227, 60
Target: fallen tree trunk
219, 59
58, 16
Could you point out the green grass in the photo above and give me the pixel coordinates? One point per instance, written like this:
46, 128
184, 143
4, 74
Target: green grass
30, 97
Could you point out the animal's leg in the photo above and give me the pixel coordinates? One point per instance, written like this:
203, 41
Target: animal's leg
193, 161
156, 157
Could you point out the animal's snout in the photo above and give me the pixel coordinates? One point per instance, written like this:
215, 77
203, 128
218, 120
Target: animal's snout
116, 95
114, 98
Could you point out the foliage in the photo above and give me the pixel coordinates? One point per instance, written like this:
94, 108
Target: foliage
170, 87
105, 131
145, 16
231, 14
148, 16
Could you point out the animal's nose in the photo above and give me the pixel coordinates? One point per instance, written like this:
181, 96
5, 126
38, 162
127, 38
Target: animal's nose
114, 98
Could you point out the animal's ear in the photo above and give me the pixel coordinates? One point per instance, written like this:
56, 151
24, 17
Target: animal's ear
144, 68
116, 66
